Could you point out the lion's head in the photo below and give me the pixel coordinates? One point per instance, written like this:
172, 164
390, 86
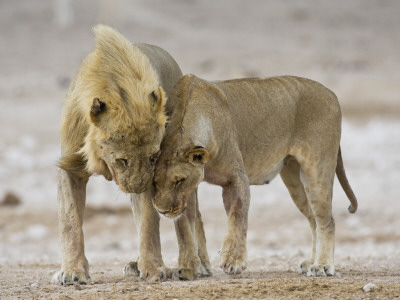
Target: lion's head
123, 103
128, 154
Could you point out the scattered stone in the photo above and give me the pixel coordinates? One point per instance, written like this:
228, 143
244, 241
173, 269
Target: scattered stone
77, 286
35, 284
10, 199
370, 287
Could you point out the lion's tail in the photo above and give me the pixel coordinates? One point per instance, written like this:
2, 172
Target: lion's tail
341, 174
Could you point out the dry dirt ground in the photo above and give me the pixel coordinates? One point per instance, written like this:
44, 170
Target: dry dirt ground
350, 46
271, 273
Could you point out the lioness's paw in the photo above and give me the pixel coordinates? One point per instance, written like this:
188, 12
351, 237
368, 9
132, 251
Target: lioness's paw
233, 268
303, 266
70, 277
233, 263
132, 269
316, 270
233, 258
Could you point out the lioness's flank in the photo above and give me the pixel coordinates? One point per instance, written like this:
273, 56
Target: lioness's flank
240, 132
112, 124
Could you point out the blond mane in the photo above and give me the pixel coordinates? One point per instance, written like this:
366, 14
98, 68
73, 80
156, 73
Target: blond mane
120, 72
122, 77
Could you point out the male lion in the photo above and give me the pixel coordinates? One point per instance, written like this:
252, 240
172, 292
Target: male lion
112, 124
240, 132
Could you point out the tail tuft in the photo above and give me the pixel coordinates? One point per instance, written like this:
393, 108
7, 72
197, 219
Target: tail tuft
352, 209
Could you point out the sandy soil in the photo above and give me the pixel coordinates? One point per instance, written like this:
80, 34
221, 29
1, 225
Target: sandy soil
350, 46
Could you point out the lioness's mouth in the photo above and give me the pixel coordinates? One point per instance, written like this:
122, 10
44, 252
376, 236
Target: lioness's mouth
173, 216
173, 213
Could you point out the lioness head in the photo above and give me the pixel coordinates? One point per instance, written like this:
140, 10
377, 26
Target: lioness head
177, 175
124, 107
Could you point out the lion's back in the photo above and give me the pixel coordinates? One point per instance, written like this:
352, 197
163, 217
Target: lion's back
164, 64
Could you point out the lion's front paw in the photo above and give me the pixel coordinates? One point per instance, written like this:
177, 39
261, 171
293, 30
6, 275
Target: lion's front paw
205, 269
183, 274
318, 270
189, 266
233, 259
132, 269
70, 277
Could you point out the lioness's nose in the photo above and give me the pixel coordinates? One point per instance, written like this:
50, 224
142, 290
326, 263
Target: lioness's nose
163, 211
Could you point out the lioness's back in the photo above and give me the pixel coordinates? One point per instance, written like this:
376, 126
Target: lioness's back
276, 102
268, 113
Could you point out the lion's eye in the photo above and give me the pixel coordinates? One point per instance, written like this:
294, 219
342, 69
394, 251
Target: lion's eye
122, 161
154, 157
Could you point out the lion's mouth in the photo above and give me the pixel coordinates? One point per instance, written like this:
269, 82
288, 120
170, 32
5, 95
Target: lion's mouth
114, 174
129, 188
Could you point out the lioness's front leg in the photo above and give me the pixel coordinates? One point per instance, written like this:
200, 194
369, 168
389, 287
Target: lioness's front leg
236, 198
205, 268
193, 258
150, 264
71, 201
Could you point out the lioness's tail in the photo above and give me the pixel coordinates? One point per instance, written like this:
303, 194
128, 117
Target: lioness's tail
341, 174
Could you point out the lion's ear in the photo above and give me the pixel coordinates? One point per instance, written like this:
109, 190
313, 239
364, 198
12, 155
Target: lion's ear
98, 107
158, 99
198, 156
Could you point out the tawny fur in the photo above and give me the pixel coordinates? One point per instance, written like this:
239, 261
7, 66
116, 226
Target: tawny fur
244, 132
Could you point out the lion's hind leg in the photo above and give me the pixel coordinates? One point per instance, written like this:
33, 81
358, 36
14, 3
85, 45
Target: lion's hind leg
290, 175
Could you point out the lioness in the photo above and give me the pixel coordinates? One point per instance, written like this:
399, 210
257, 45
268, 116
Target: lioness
240, 132
112, 124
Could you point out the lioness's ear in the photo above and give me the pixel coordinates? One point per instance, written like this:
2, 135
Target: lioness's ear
198, 156
97, 109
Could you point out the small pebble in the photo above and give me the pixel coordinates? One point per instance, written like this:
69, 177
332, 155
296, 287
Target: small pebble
369, 287
35, 284
77, 286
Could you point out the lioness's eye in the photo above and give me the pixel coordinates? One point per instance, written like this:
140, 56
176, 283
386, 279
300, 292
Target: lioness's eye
179, 181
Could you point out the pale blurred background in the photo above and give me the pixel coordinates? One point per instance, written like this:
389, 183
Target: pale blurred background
352, 47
